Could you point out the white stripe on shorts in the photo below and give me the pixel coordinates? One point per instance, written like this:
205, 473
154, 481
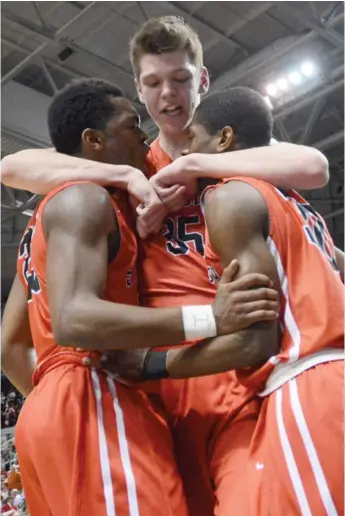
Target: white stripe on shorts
124, 452
311, 451
290, 460
103, 448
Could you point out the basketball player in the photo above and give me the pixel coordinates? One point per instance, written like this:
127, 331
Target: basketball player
296, 453
170, 78
79, 435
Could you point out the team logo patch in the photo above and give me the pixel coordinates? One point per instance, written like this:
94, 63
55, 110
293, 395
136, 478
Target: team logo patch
129, 279
213, 276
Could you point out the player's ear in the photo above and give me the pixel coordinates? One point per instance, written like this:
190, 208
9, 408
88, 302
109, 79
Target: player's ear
204, 81
226, 139
92, 140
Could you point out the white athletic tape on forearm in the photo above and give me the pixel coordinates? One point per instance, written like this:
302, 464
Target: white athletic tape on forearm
199, 322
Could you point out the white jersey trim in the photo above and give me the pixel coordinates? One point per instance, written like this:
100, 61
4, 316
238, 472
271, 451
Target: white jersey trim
283, 372
289, 320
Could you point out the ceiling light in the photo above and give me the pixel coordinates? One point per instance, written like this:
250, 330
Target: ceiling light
295, 78
282, 84
307, 69
272, 90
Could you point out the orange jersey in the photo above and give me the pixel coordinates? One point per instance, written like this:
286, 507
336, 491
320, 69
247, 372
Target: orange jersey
312, 294
121, 284
173, 263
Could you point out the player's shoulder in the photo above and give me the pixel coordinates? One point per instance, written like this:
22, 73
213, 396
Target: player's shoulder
81, 196
79, 204
236, 196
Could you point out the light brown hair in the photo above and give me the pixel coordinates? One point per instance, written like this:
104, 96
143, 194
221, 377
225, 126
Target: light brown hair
165, 34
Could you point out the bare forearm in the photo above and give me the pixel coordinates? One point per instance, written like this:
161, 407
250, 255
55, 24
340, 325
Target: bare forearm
285, 165
101, 325
40, 171
17, 362
225, 353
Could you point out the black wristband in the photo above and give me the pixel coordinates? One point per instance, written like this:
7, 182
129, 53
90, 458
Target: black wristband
155, 365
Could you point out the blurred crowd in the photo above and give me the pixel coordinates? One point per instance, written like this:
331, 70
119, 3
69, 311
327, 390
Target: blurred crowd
12, 494
11, 403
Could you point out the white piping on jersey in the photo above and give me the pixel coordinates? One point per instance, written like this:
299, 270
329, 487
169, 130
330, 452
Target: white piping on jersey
284, 372
289, 320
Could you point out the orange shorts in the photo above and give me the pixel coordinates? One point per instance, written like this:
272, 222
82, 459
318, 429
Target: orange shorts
89, 446
296, 464
212, 419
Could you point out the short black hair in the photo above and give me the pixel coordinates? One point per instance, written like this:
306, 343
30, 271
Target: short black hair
242, 109
81, 104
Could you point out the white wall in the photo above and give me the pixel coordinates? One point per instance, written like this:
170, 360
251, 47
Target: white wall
24, 113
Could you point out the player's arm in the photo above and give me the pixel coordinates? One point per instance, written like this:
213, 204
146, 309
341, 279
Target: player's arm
78, 223
236, 218
17, 353
340, 258
42, 170
237, 222
285, 165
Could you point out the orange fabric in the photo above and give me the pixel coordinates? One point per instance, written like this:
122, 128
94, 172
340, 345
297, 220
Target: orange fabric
229, 461
87, 445
31, 266
296, 459
312, 300
173, 267
202, 410
212, 420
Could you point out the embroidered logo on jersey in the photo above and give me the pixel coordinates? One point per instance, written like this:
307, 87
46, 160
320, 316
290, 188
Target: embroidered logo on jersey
29, 274
129, 279
213, 276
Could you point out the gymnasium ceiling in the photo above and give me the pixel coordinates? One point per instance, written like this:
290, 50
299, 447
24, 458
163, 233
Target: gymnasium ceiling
46, 44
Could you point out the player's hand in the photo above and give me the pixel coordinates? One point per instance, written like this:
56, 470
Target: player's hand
245, 301
175, 174
144, 199
148, 224
140, 188
125, 364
